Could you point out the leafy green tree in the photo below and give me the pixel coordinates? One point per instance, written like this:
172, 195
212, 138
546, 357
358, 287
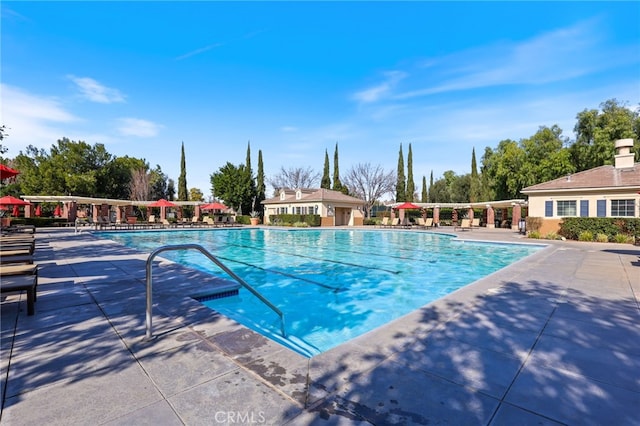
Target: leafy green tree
439, 192
158, 186
171, 190
261, 189
425, 196
114, 180
401, 190
196, 194
233, 185
596, 133
411, 186
182, 179
326, 179
459, 188
545, 157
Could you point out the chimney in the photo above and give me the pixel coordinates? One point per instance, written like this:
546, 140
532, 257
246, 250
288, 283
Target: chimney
624, 156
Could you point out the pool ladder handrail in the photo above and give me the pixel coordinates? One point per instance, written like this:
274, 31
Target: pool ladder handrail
214, 260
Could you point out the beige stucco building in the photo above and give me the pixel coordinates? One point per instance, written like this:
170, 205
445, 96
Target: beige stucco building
334, 208
605, 191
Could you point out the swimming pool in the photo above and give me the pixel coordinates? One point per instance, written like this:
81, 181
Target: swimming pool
332, 285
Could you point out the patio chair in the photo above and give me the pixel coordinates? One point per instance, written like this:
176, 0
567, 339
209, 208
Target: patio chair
385, 222
465, 224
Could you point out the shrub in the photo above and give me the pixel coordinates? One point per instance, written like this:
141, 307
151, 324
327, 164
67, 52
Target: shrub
300, 225
571, 227
552, 236
602, 238
291, 219
371, 222
585, 236
534, 235
622, 239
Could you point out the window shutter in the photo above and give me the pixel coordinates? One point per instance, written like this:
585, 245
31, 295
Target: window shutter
601, 208
584, 208
548, 208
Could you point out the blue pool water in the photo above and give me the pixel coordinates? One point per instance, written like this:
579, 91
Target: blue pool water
332, 285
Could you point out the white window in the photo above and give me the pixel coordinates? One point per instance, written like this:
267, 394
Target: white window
567, 208
623, 208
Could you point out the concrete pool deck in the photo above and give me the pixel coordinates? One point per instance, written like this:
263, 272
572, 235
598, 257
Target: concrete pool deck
552, 339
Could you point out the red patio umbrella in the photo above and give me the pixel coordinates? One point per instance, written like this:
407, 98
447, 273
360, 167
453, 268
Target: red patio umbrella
38, 211
57, 211
162, 203
10, 200
7, 172
406, 205
213, 206
16, 211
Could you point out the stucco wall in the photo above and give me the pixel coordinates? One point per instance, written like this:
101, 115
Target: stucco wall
537, 202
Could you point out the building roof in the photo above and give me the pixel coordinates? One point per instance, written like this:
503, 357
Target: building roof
596, 178
317, 195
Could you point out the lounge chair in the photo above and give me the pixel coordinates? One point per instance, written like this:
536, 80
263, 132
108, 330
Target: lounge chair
475, 223
14, 283
385, 222
464, 225
428, 222
395, 222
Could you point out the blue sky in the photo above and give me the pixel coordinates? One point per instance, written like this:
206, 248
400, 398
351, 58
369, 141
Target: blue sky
295, 78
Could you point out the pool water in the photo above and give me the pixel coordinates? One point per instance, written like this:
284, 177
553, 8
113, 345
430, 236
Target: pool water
331, 285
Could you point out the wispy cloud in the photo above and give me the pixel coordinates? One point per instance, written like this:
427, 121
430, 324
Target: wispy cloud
288, 129
32, 119
199, 51
375, 93
554, 56
138, 127
93, 91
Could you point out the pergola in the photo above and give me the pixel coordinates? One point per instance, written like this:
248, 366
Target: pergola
100, 206
489, 206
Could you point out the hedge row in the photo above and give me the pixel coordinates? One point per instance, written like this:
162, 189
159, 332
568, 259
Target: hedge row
292, 219
572, 227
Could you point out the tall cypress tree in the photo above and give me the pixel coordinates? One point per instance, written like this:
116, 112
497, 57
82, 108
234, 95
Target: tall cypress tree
401, 189
411, 186
337, 185
249, 172
431, 200
260, 187
474, 185
182, 179
425, 197
326, 179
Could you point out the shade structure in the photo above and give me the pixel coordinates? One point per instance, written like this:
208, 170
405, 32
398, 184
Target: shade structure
38, 210
10, 200
162, 203
213, 206
7, 172
16, 211
57, 211
406, 205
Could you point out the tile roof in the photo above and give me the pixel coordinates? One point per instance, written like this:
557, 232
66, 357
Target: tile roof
598, 177
321, 195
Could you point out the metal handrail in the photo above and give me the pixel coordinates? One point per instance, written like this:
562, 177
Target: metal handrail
214, 260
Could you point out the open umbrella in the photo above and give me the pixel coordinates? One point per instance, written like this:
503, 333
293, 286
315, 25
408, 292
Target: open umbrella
406, 205
10, 200
38, 211
57, 211
7, 172
213, 206
16, 211
162, 203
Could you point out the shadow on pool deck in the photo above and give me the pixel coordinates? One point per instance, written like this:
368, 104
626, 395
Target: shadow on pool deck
550, 340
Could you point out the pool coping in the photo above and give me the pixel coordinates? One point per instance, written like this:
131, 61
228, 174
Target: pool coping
342, 383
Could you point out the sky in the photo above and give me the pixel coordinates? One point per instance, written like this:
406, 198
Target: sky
293, 79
